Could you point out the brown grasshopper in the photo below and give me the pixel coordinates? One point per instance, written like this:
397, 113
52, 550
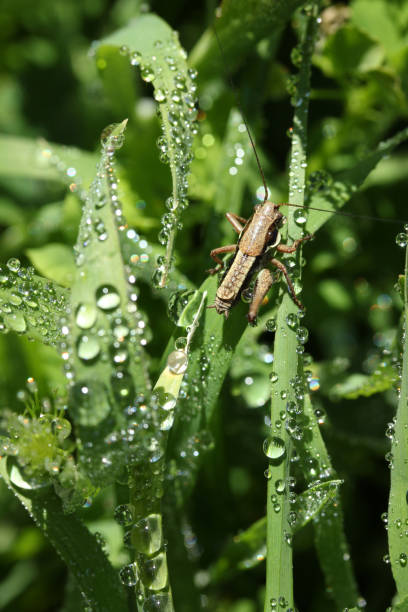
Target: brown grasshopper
257, 237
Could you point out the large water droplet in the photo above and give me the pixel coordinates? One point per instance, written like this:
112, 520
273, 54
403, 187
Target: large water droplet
88, 348
107, 298
85, 315
147, 536
129, 575
274, 448
154, 572
177, 362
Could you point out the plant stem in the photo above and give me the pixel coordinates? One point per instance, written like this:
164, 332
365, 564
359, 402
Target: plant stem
279, 580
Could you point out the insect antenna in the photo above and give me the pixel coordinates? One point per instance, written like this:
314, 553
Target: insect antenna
258, 162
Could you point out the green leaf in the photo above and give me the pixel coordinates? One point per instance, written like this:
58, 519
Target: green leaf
78, 548
385, 377
55, 261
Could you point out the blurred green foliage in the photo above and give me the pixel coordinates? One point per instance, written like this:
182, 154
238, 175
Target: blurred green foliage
51, 87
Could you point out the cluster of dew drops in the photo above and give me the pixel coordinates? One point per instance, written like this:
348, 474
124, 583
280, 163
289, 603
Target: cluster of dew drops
177, 108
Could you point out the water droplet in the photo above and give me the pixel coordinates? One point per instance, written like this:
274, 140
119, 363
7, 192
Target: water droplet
300, 216
88, 348
124, 50
85, 315
129, 575
274, 448
177, 362
124, 514
401, 239
403, 559
107, 298
302, 334
135, 58
280, 486
271, 325
159, 95
291, 320
154, 572
13, 264
147, 535
273, 377
147, 74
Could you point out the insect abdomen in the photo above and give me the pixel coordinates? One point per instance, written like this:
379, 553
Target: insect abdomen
233, 281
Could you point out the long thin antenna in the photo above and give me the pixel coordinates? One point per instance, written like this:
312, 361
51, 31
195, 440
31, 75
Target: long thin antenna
238, 103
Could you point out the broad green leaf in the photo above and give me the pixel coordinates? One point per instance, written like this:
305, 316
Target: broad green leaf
150, 43
55, 261
79, 549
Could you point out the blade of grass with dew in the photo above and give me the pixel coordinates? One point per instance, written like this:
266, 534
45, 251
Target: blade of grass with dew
211, 352
397, 506
331, 543
105, 358
165, 394
151, 44
287, 365
31, 305
79, 549
38, 159
248, 548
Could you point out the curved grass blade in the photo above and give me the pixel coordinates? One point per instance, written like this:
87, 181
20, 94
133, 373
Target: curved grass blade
153, 46
80, 550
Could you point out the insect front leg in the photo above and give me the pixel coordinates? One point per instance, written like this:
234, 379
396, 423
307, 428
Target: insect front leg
230, 248
278, 264
262, 286
236, 221
286, 248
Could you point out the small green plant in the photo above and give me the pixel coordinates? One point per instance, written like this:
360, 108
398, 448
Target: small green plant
136, 418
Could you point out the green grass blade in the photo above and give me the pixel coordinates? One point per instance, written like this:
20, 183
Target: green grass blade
278, 448
80, 550
151, 44
397, 507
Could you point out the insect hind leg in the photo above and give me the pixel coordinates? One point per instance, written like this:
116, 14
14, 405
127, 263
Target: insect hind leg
278, 264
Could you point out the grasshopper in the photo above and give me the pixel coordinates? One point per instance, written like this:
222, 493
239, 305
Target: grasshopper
259, 237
